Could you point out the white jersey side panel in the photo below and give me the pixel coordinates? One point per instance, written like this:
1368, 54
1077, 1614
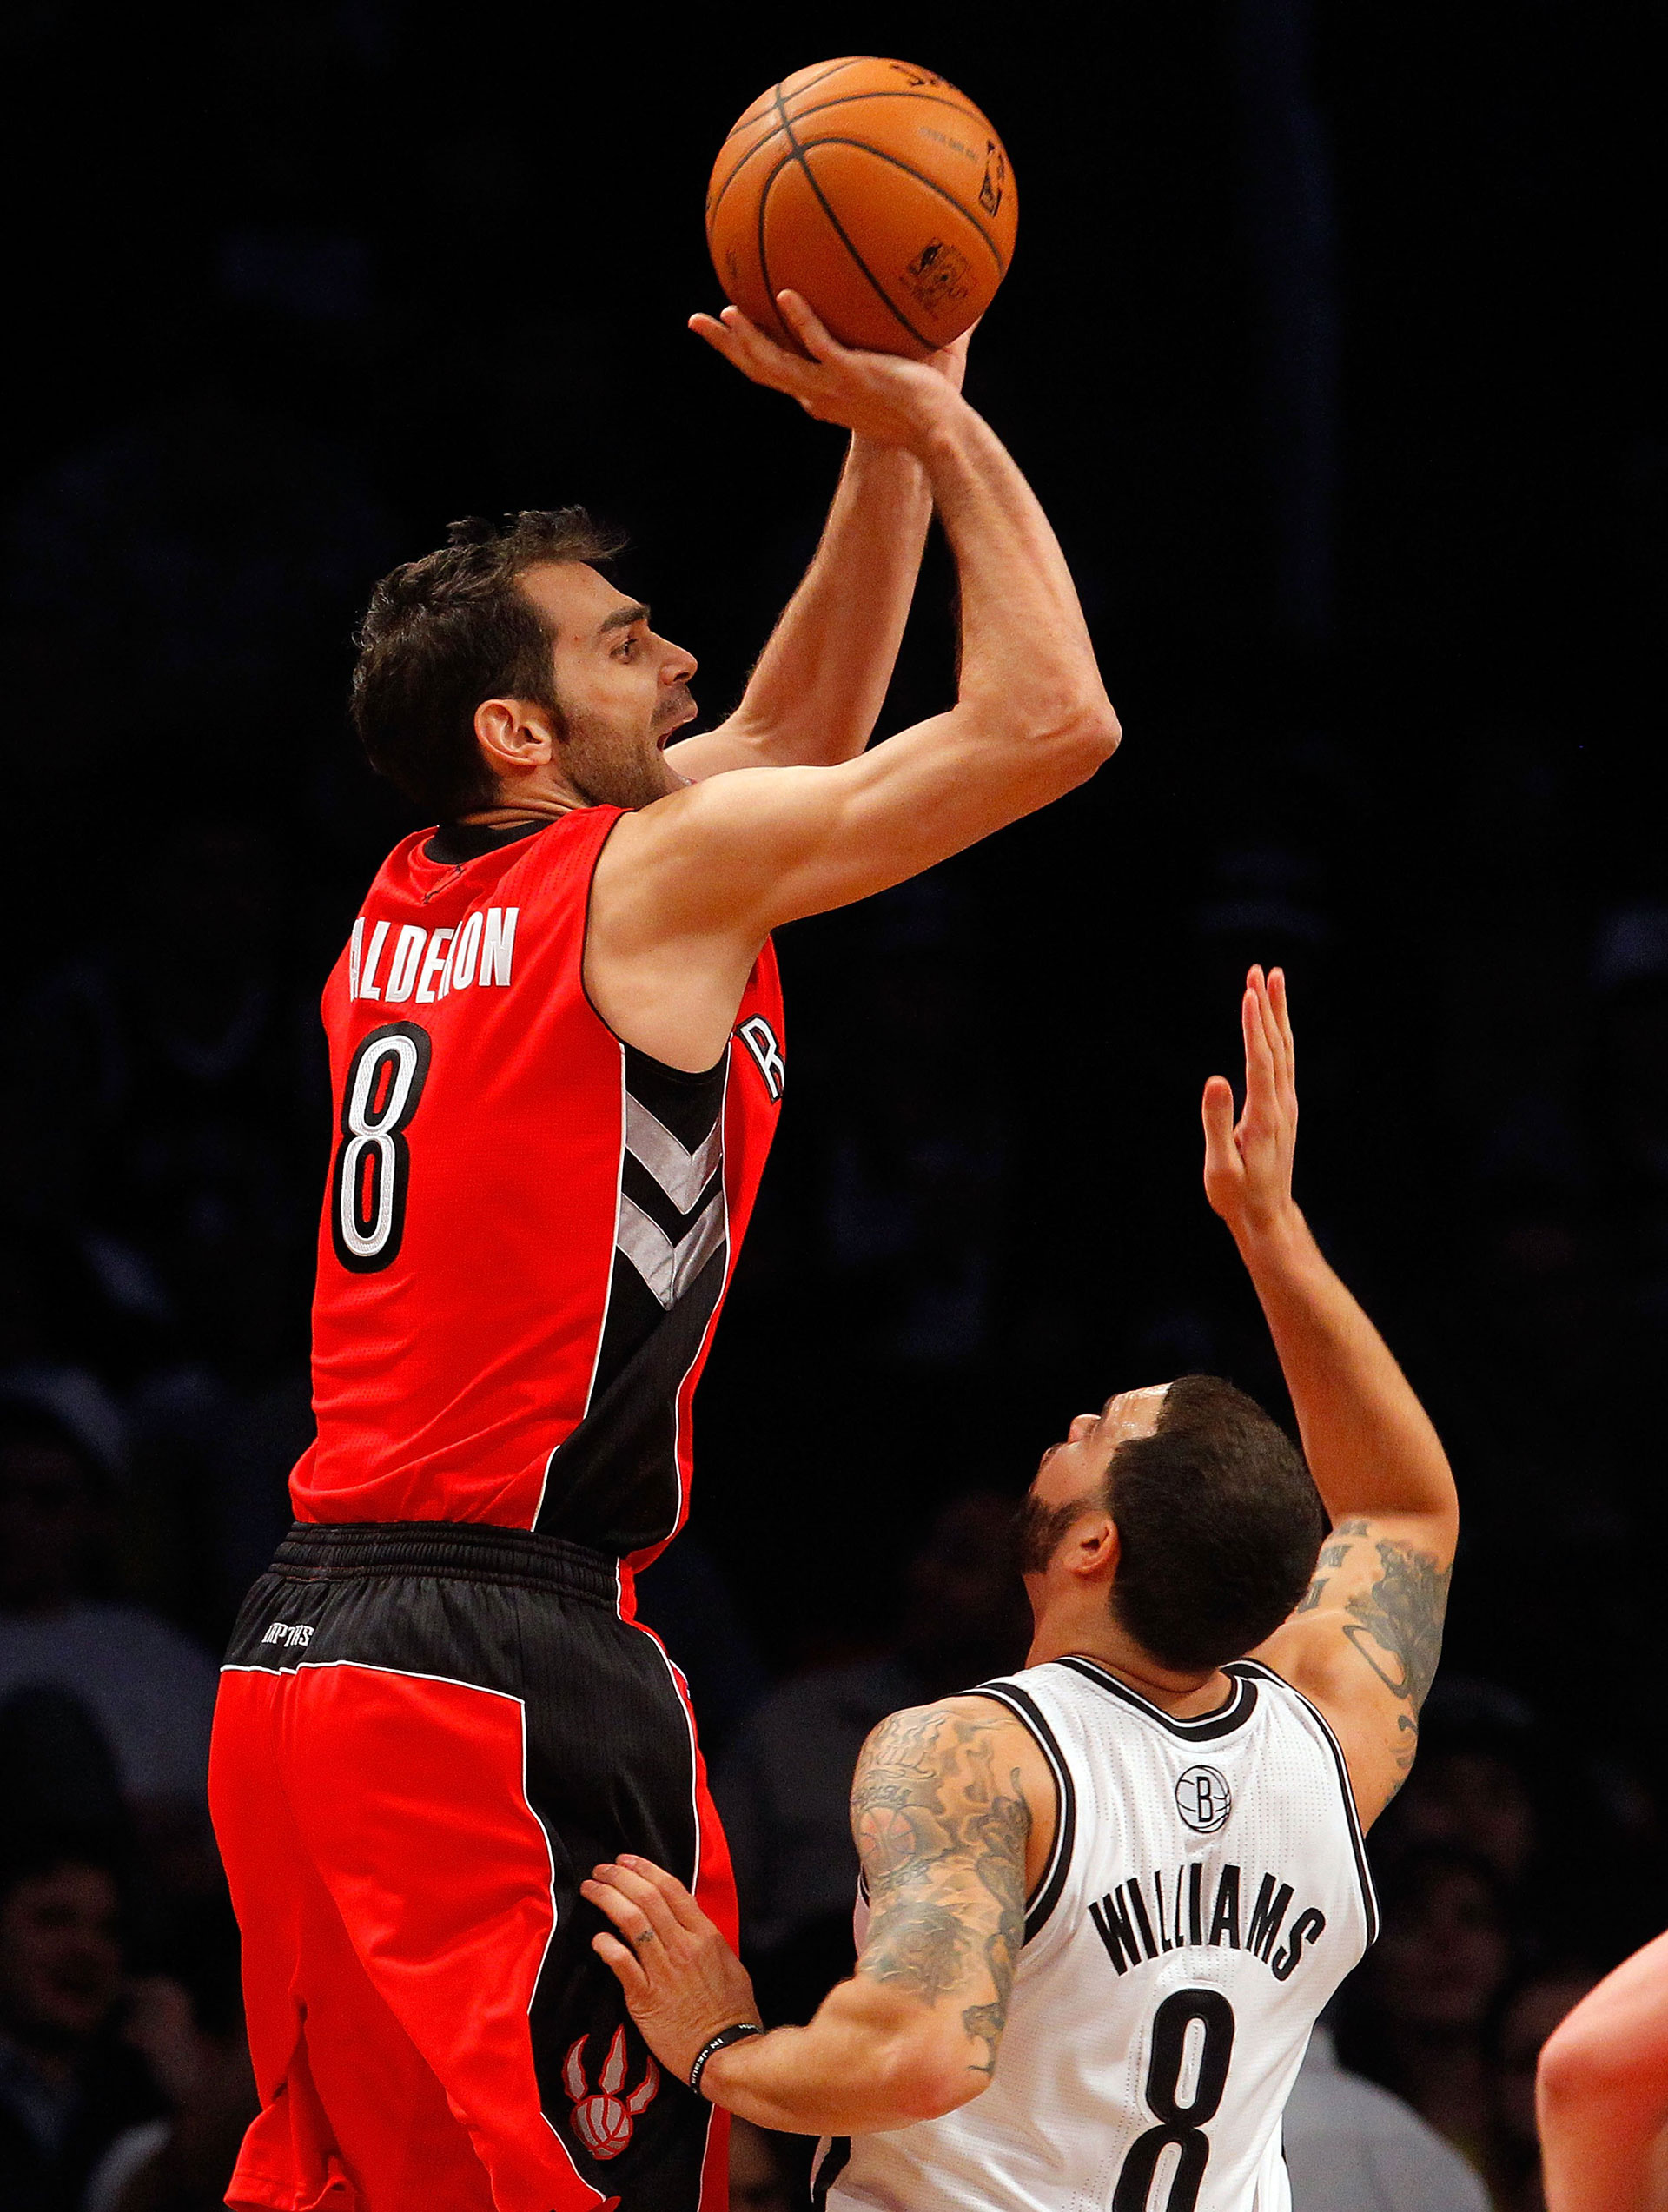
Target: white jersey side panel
1208, 1895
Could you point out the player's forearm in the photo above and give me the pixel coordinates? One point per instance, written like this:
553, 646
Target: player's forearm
820, 683
1028, 661
867, 2062
1610, 2157
1370, 1444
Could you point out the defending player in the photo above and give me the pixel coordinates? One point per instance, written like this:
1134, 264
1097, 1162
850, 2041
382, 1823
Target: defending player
557, 1057
1108, 1897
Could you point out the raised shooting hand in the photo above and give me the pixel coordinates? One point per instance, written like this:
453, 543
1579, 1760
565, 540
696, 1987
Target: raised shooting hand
1249, 1163
894, 402
950, 361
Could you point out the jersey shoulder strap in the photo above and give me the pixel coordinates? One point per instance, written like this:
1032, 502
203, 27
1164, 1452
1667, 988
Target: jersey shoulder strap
1050, 1886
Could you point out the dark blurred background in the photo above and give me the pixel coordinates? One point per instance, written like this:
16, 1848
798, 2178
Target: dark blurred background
1323, 348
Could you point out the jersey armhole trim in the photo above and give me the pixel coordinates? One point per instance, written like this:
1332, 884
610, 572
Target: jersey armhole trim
836, 2157
1358, 1841
1039, 1906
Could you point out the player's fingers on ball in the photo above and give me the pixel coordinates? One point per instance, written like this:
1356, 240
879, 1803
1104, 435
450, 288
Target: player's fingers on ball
718, 338
753, 337
746, 349
766, 362
807, 326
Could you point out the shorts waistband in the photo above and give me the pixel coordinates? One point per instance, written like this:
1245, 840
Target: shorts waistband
461, 1550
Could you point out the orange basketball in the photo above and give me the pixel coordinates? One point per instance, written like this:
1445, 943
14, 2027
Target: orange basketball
876, 189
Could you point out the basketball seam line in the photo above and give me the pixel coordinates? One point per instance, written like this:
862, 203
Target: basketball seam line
835, 224
763, 202
832, 69
845, 100
921, 177
775, 94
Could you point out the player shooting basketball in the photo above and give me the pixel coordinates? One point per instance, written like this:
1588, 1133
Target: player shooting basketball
557, 1057
1106, 1899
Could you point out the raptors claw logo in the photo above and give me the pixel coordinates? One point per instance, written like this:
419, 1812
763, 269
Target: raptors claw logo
602, 2118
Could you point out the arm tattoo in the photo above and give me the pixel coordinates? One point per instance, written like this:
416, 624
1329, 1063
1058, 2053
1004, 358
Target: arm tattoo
1401, 1614
942, 1836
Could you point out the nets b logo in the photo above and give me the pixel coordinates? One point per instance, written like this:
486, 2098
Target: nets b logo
1203, 1799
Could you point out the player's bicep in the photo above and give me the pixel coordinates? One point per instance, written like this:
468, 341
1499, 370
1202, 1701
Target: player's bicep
1364, 1643
939, 1815
746, 850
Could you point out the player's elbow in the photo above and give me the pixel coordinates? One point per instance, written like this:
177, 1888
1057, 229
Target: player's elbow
931, 2075
1079, 735
1586, 2066
1090, 738
1046, 743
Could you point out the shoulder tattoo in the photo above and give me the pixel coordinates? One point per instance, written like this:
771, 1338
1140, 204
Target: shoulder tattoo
1396, 1626
942, 1835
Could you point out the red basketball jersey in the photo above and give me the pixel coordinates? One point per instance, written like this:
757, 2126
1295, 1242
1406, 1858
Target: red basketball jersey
529, 1226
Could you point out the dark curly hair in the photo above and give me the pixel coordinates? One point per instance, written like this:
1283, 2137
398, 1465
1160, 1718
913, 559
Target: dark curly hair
443, 633
1219, 1526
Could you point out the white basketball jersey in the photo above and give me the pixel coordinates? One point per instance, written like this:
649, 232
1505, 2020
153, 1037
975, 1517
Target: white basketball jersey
1206, 1893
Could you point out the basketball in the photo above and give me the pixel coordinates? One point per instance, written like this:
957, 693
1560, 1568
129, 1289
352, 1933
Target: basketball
876, 189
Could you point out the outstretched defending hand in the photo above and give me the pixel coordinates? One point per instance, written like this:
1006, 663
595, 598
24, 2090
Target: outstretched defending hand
893, 402
683, 1983
1249, 1163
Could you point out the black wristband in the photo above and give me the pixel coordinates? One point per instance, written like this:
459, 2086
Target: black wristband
722, 2041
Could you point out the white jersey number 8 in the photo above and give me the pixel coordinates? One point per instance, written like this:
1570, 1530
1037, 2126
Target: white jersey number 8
373, 1165
1181, 2125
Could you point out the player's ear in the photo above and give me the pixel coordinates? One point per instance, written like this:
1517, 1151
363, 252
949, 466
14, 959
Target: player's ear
1091, 1551
513, 734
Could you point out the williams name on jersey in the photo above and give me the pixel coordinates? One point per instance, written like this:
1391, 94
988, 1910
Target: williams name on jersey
1207, 1892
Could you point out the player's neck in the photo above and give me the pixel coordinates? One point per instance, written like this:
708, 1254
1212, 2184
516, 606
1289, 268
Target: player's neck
525, 807
1185, 1695
541, 793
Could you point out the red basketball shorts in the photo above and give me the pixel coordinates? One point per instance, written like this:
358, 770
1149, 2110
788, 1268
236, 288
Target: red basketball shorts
428, 1735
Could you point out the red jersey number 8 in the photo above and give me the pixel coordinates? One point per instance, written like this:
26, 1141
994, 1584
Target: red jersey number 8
373, 1165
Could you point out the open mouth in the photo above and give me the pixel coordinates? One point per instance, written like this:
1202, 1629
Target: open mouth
674, 726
